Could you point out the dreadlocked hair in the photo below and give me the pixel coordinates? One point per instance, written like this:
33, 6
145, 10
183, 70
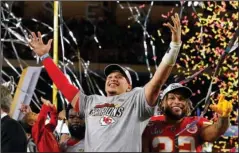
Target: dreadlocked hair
163, 103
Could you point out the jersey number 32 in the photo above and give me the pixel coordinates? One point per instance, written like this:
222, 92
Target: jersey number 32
168, 143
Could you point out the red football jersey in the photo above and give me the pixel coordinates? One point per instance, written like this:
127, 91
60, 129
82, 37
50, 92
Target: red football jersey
161, 135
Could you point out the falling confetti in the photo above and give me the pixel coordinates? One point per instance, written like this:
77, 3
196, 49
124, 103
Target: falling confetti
215, 24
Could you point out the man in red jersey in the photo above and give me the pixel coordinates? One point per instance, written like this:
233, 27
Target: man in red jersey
159, 135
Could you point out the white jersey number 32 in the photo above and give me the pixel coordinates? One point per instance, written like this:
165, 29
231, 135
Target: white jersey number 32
167, 142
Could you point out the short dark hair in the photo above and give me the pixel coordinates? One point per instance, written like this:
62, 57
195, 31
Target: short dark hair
68, 108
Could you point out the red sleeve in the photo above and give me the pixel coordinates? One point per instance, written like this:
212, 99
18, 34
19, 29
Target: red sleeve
37, 128
146, 139
204, 121
53, 121
149, 126
60, 80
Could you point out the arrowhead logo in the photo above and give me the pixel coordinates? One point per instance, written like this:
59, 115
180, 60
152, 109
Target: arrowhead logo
106, 120
192, 129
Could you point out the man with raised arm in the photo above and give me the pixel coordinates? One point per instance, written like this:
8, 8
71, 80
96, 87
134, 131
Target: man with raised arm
114, 123
192, 131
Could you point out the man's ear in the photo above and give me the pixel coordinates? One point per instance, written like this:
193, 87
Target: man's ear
129, 88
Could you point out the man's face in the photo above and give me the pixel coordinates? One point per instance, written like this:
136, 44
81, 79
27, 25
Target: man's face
176, 106
76, 125
116, 84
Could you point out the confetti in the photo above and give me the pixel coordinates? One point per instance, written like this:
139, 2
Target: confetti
204, 48
200, 49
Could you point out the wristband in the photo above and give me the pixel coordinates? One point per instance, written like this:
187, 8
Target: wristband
44, 56
170, 56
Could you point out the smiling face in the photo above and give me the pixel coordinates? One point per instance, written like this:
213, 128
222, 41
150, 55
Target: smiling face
116, 84
175, 105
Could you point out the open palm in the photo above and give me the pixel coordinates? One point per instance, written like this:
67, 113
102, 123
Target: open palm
37, 44
175, 29
46, 102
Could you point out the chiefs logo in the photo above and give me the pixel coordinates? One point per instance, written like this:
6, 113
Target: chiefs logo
106, 120
192, 129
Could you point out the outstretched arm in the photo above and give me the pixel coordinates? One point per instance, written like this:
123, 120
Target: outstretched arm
153, 87
62, 83
59, 79
212, 132
40, 123
53, 114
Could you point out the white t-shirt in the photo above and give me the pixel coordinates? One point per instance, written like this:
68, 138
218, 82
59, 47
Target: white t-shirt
115, 123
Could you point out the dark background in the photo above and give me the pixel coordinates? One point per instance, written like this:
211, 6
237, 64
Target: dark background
121, 42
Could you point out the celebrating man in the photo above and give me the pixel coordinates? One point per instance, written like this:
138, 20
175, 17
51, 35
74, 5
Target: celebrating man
114, 122
160, 134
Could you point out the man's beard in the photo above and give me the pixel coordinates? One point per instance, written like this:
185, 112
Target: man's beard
169, 113
77, 131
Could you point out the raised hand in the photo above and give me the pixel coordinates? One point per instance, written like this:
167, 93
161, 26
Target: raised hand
62, 115
175, 29
25, 108
46, 102
223, 108
37, 44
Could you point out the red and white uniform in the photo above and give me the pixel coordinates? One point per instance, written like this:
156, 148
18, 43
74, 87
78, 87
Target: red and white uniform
161, 135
